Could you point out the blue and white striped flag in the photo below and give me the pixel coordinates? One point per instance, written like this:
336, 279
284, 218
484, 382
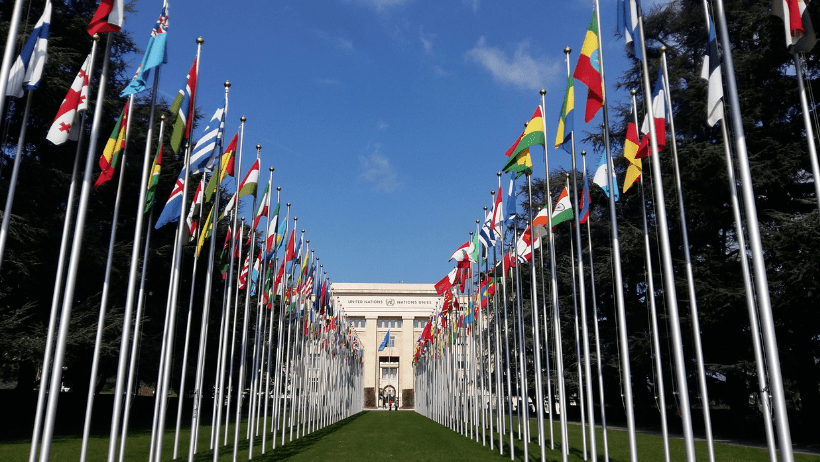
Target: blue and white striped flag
711, 73
204, 153
27, 70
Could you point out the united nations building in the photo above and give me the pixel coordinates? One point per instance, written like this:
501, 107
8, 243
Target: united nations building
397, 313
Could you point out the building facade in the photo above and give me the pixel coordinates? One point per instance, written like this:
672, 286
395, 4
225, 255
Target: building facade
393, 314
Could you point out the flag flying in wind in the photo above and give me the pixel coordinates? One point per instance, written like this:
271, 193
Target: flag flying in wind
66, 122
28, 68
498, 215
799, 30
512, 200
154, 179
600, 177
183, 107
113, 148
247, 187
204, 152
464, 254
174, 205
155, 55
447, 282
226, 167
711, 73
588, 71
196, 204
633, 171
385, 340
659, 112
519, 153
565, 122
627, 24
563, 209
487, 233
262, 208
270, 241
586, 200
107, 18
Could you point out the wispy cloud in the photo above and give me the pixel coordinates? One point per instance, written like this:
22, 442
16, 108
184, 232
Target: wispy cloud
326, 81
519, 68
427, 40
440, 72
376, 169
339, 42
472, 4
382, 125
383, 5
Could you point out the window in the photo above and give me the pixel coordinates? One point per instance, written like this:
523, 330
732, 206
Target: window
392, 323
361, 323
391, 342
398, 323
380, 323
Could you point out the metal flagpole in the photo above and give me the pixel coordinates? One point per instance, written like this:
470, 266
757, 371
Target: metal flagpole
74, 261
690, 278
240, 390
626, 371
95, 361
579, 257
203, 332
270, 322
666, 260
58, 283
753, 228
653, 313
479, 344
595, 326
235, 295
546, 348
801, 86
499, 407
15, 170
277, 383
559, 360
506, 335
8, 55
522, 359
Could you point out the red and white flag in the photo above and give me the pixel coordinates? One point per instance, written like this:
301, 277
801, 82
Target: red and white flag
195, 206
107, 18
799, 30
65, 126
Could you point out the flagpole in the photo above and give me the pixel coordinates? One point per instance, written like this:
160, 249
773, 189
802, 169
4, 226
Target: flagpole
280, 342
547, 349
556, 315
245, 320
196, 411
753, 228
95, 361
579, 257
595, 326
235, 294
498, 387
666, 258
8, 55
801, 86
271, 314
76, 249
15, 170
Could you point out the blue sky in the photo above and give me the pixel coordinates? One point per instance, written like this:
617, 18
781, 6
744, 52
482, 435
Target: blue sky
386, 120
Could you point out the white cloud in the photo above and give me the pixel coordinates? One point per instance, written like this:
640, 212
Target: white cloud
427, 40
339, 42
440, 72
471, 3
382, 125
521, 69
383, 5
376, 169
326, 81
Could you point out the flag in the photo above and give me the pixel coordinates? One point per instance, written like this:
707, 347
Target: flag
174, 205
65, 126
113, 148
195, 206
498, 215
525, 244
28, 68
446, 282
633, 171
563, 209
512, 200
204, 152
262, 208
207, 229
627, 24
659, 112
183, 106
155, 54
107, 18
464, 254
487, 233
247, 187
521, 164
588, 70
154, 179
799, 30
226, 167
565, 122
290, 252
711, 73
586, 200
600, 177
532, 135
257, 265
270, 240
385, 340
243, 275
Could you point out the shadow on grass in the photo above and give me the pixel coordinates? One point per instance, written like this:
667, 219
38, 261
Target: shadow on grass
282, 452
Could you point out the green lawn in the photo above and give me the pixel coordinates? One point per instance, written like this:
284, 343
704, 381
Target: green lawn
379, 435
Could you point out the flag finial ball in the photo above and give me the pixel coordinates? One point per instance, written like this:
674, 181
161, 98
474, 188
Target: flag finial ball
227, 84
303, 230
288, 204
278, 188
478, 221
567, 50
492, 192
663, 48
633, 92
307, 240
95, 37
200, 40
567, 175
243, 119
270, 168
162, 117
543, 92
583, 153
485, 209
498, 173
258, 147
243, 218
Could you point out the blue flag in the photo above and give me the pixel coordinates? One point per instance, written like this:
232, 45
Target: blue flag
512, 213
173, 207
26, 72
203, 156
155, 54
386, 339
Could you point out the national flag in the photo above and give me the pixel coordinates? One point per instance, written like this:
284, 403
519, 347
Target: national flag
243, 275
600, 177
270, 239
183, 107
532, 135
226, 167
263, 207
196, 204
487, 233
541, 222
446, 282
464, 254
566, 121
633, 171
512, 200
290, 251
248, 186
207, 229
563, 209
525, 245
498, 215
711, 73
586, 201
799, 30
155, 54
65, 126
588, 70
627, 24
174, 205
521, 164
385, 340
257, 266
204, 153
107, 18
113, 148
659, 112
154, 179
27, 70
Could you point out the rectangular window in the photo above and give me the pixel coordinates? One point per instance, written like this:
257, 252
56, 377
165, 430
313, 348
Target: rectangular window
398, 324
380, 323
392, 342
361, 322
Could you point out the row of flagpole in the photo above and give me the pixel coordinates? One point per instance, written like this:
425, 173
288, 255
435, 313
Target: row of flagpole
434, 377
